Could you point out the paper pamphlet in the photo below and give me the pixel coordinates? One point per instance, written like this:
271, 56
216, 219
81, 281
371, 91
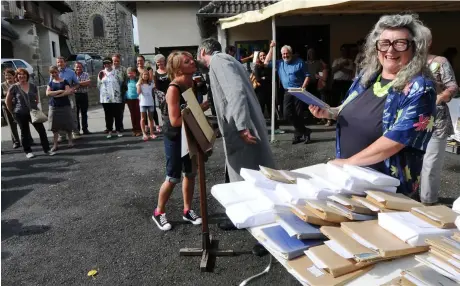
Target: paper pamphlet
439, 216
410, 228
445, 257
258, 179
439, 266
372, 236
325, 212
306, 215
304, 269
445, 244
348, 213
424, 275
332, 262
373, 207
352, 205
354, 245
198, 113
307, 97
337, 248
392, 201
277, 175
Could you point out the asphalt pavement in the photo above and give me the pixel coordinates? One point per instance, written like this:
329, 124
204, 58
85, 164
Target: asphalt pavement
89, 208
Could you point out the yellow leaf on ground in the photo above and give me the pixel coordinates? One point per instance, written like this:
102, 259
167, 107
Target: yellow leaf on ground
92, 273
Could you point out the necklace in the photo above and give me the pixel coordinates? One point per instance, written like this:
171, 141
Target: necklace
380, 90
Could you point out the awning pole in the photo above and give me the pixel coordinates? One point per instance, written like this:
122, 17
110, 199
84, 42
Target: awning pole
273, 81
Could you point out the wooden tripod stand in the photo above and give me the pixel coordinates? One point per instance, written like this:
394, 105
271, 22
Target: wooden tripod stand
209, 247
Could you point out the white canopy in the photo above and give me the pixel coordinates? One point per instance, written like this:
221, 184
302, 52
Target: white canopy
292, 7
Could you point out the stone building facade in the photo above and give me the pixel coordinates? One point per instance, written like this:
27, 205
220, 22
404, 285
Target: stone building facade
101, 27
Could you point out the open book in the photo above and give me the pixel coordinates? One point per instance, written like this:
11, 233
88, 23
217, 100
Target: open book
307, 97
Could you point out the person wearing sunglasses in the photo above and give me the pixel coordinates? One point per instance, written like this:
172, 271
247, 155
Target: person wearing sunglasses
387, 118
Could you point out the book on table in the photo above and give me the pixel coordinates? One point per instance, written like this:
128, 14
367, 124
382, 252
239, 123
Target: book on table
288, 247
296, 227
439, 216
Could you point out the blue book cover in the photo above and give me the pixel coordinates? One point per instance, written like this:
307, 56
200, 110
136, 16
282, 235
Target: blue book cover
289, 247
307, 97
296, 227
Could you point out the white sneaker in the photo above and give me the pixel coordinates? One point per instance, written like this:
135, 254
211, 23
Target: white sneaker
30, 155
50, 153
119, 134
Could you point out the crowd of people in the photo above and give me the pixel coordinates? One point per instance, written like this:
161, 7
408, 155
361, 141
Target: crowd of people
388, 101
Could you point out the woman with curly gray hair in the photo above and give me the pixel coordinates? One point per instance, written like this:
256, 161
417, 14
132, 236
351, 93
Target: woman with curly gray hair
387, 118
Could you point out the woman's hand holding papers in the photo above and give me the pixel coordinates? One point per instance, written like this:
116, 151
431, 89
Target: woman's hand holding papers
204, 106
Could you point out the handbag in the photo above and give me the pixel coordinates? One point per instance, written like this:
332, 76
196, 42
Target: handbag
36, 115
255, 83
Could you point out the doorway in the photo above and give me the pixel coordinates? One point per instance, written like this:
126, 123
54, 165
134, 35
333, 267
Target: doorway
301, 38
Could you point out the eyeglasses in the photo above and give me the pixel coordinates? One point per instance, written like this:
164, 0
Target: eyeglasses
399, 45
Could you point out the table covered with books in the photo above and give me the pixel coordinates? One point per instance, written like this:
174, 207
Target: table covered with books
330, 225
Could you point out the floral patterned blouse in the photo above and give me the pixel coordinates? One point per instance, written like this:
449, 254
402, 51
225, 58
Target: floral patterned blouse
109, 87
445, 78
408, 118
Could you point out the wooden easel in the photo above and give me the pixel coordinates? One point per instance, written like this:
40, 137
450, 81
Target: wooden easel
202, 148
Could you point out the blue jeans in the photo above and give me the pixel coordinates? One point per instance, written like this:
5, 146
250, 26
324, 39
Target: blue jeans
175, 164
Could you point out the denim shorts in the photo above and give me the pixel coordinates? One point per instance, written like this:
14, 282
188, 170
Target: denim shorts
175, 165
150, 109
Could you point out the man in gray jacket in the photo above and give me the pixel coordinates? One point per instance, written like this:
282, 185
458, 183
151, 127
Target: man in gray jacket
239, 115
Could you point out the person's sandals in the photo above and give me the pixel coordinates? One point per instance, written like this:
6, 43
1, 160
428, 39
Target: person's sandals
145, 138
153, 137
54, 149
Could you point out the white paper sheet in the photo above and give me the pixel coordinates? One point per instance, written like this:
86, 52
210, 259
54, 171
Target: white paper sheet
316, 261
410, 228
337, 248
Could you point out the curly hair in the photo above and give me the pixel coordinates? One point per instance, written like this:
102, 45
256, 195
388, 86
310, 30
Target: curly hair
417, 65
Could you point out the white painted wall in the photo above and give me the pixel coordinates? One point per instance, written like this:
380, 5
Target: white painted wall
22, 47
167, 25
43, 40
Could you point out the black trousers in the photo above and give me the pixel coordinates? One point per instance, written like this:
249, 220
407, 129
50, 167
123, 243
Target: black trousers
264, 95
11, 124
23, 121
81, 101
294, 112
113, 113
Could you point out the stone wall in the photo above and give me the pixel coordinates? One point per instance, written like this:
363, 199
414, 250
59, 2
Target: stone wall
118, 29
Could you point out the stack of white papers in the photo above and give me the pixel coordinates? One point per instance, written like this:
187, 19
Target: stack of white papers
233, 193
409, 228
258, 179
251, 213
354, 180
372, 176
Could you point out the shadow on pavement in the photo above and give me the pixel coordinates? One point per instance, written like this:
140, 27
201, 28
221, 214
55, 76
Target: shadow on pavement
10, 197
22, 182
13, 227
